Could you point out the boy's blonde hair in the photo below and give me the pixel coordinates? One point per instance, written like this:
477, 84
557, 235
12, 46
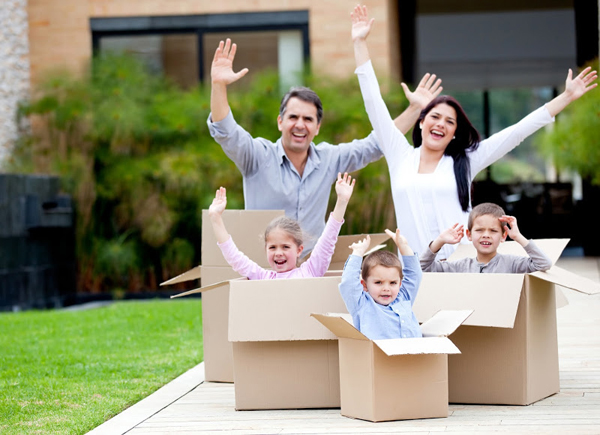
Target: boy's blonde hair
380, 258
486, 208
289, 225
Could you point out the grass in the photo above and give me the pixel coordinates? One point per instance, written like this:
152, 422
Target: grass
66, 372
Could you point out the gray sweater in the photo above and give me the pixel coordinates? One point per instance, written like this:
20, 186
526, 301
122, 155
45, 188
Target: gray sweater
537, 260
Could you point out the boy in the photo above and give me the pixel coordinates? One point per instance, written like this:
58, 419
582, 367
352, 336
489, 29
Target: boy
381, 302
488, 226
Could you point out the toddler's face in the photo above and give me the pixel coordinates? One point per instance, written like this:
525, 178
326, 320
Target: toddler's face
282, 251
383, 284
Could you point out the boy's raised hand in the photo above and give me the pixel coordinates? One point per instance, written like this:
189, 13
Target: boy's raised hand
219, 203
359, 248
344, 186
400, 242
452, 235
361, 24
512, 229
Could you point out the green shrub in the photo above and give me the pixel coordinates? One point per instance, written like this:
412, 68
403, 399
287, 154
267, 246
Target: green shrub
135, 153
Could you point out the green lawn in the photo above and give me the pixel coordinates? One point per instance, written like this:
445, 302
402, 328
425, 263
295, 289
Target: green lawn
66, 372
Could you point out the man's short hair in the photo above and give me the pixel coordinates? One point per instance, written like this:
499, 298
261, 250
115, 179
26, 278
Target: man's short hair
305, 94
380, 258
485, 208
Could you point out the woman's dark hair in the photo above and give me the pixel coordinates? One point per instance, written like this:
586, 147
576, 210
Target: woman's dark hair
466, 138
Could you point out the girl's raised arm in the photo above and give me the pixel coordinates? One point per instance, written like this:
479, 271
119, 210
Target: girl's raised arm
344, 187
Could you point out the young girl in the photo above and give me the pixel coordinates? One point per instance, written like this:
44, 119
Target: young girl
283, 240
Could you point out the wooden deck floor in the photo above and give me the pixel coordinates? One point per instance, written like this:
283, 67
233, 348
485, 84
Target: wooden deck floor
209, 407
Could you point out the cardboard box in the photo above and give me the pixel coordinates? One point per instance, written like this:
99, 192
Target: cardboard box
247, 229
396, 379
282, 359
509, 350
342, 250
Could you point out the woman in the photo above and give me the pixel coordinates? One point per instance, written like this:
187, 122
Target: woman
431, 181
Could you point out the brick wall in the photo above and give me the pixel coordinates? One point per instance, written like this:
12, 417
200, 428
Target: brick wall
60, 34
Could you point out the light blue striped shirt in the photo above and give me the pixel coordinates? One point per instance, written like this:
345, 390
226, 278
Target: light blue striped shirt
271, 182
376, 321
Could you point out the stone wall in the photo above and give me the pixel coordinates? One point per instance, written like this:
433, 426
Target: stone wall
14, 69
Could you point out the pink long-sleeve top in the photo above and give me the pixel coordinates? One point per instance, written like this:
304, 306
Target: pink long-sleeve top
315, 266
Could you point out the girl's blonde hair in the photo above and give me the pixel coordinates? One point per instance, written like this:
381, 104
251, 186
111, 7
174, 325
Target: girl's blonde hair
289, 225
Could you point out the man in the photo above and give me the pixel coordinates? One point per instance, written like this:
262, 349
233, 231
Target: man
294, 174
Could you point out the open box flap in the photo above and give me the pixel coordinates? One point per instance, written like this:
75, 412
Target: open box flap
342, 250
205, 288
340, 324
570, 280
247, 228
553, 248
190, 275
417, 346
493, 297
444, 322
280, 309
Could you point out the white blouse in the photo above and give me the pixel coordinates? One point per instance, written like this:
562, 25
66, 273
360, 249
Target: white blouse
426, 204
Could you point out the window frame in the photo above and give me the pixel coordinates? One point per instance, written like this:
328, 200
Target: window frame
200, 25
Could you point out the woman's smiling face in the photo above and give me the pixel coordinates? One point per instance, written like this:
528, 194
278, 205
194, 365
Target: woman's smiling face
438, 127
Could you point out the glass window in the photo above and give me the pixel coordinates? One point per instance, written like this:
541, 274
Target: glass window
280, 51
175, 55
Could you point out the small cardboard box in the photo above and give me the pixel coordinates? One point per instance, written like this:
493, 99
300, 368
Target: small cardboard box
509, 350
396, 379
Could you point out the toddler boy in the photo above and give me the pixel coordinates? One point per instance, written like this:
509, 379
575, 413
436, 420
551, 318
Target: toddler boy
381, 302
488, 226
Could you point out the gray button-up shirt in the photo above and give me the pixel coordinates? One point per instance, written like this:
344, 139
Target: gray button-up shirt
271, 182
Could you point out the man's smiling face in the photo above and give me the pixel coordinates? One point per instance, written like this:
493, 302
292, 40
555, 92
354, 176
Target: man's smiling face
298, 125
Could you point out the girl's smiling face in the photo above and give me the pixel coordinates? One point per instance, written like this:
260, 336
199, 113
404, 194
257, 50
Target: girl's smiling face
438, 127
282, 250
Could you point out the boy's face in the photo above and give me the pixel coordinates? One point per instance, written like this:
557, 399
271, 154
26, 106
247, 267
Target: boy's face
383, 284
486, 234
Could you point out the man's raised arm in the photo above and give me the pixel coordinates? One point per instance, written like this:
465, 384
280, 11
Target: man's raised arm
222, 74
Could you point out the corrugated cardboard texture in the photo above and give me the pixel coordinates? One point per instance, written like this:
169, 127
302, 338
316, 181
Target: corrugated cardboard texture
342, 250
377, 387
286, 375
218, 354
247, 228
516, 366
493, 297
274, 310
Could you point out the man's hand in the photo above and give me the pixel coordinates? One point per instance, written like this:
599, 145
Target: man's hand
221, 71
427, 90
359, 248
